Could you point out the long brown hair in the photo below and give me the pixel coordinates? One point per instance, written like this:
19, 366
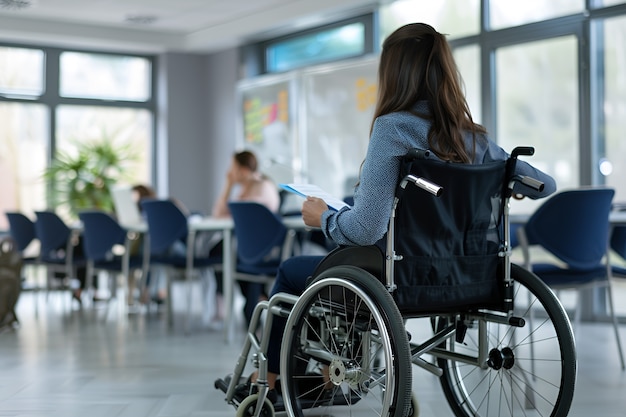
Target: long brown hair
416, 64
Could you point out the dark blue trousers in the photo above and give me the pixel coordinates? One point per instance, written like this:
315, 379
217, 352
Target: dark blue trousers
291, 278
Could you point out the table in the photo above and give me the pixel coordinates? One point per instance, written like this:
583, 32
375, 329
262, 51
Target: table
226, 226
616, 218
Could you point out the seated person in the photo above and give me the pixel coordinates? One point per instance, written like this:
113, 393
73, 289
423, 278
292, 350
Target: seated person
420, 105
245, 183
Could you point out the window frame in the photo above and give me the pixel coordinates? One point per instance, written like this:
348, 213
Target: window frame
52, 99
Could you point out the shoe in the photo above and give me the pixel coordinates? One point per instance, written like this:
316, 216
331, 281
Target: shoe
272, 395
76, 297
248, 388
158, 300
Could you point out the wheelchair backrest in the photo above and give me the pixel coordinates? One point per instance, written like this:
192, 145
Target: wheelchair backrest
448, 249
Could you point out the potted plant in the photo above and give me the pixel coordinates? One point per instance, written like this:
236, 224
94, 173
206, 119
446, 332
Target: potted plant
83, 179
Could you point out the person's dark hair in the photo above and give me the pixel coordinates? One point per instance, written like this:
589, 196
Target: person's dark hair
246, 159
416, 64
144, 191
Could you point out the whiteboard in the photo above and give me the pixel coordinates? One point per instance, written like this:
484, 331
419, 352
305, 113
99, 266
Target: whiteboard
311, 125
339, 103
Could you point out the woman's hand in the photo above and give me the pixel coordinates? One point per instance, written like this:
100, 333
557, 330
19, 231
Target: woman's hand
231, 176
312, 210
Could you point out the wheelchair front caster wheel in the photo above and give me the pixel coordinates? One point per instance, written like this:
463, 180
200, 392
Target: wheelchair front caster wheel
247, 408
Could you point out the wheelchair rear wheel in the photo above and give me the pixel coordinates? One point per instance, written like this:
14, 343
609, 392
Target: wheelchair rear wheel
345, 346
530, 370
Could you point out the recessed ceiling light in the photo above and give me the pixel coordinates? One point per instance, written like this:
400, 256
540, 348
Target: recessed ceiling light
15, 4
141, 19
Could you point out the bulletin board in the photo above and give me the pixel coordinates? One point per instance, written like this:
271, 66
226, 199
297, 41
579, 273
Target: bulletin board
267, 124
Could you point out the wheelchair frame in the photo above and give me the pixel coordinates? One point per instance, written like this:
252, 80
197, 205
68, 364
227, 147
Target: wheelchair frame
522, 390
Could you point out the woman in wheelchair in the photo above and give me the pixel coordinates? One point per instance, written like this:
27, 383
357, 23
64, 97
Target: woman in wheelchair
420, 105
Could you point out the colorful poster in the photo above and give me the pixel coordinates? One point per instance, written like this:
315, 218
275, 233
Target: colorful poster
267, 125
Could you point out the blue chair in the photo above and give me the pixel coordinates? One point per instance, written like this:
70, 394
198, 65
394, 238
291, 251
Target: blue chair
573, 226
61, 249
261, 238
22, 230
170, 246
101, 235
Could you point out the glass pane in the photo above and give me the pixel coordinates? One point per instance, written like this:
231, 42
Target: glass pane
102, 76
506, 13
121, 136
615, 106
23, 156
468, 61
537, 105
605, 3
457, 18
21, 71
328, 45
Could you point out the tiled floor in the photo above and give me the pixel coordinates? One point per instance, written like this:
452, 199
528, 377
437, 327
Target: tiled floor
68, 362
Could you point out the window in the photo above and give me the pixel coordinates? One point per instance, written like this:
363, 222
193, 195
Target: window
101, 76
24, 150
128, 131
537, 105
605, 3
21, 72
456, 18
101, 97
468, 61
323, 45
611, 165
506, 13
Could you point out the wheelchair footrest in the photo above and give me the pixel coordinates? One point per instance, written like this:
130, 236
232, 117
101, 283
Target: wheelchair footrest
221, 385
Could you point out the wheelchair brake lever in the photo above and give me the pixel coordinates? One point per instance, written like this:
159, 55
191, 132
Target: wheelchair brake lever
425, 185
532, 183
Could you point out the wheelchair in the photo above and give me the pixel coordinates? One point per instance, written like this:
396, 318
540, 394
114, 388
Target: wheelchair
501, 343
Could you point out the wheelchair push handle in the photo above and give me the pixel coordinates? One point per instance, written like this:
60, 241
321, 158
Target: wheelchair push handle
522, 150
522, 179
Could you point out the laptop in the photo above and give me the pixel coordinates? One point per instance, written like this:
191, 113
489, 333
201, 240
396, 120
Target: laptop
128, 214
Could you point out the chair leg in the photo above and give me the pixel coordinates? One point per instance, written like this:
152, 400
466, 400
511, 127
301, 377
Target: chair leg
170, 310
209, 287
577, 313
615, 325
188, 281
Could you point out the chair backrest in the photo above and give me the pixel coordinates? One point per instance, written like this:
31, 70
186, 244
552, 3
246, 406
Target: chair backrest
574, 226
258, 231
450, 245
52, 232
22, 229
101, 233
166, 224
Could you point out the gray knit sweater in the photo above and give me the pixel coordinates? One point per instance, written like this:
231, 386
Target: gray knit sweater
392, 136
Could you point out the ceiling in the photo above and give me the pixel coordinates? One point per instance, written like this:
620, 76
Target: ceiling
164, 25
